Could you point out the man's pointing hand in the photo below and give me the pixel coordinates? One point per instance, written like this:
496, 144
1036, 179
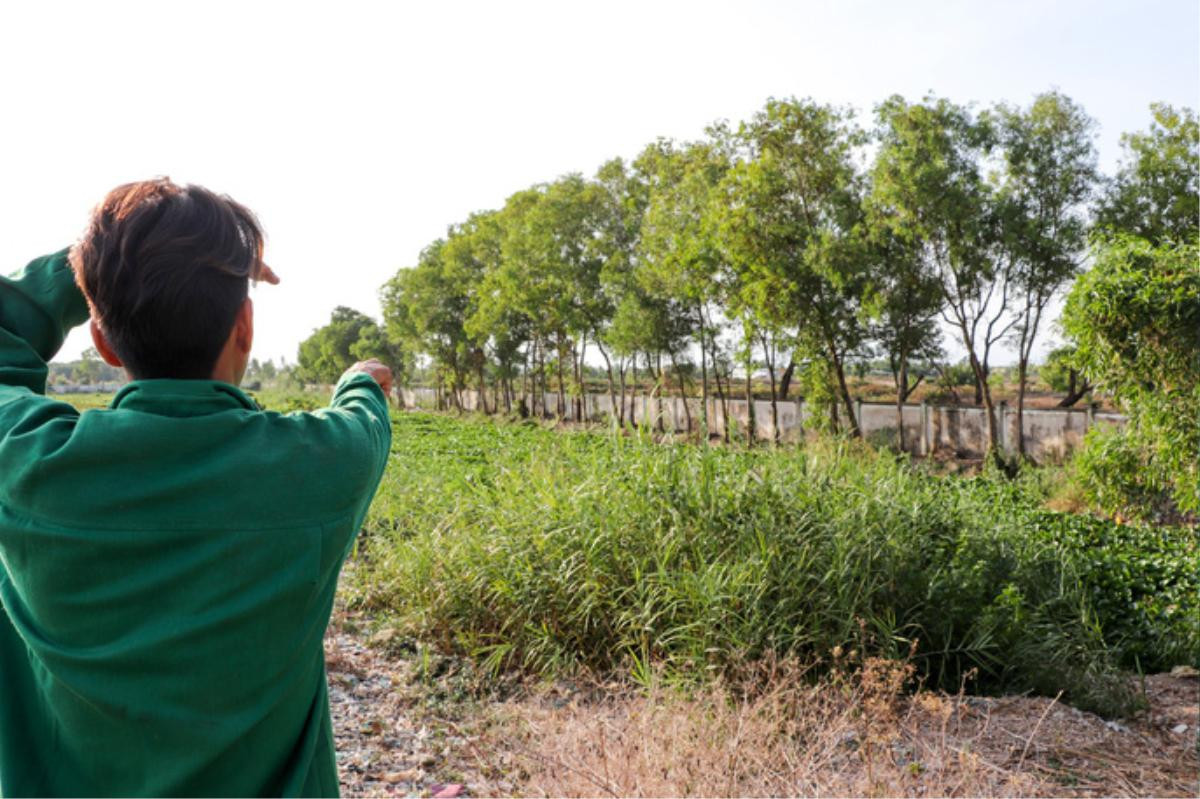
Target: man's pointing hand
380, 373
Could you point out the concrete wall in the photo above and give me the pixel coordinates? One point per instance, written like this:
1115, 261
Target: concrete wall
1049, 434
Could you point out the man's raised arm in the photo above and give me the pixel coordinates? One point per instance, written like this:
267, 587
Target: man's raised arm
365, 387
38, 307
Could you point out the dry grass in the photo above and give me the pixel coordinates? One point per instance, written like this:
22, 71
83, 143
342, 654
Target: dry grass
857, 734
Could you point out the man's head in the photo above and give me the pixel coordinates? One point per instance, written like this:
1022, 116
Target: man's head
166, 271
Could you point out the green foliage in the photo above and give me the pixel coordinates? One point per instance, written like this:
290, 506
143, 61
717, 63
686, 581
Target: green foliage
1143, 585
89, 370
1156, 193
426, 309
1112, 472
289, 400
930, 188
1135, 321
547, 551
1049, 173
787, 217
1056, 371
332, 349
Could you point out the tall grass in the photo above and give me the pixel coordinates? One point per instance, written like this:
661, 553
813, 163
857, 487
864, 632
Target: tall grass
550, 551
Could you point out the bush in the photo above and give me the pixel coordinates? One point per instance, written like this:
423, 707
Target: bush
1142, 582
1112, 471
1133, 318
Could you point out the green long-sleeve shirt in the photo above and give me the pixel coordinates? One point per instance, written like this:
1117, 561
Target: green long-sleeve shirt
167, 571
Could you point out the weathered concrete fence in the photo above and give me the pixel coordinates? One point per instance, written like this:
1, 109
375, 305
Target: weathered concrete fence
1050, 434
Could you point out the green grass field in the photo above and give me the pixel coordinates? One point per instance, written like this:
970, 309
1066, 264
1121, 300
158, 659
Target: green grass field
553, 552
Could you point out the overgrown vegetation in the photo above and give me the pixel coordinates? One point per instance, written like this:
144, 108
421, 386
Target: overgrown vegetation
552, 552
1134, 320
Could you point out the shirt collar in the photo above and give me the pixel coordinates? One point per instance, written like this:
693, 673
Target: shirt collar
181, 397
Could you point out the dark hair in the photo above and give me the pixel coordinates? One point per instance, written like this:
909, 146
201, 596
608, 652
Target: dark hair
165, 269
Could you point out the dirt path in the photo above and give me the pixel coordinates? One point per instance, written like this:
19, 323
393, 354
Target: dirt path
407, 724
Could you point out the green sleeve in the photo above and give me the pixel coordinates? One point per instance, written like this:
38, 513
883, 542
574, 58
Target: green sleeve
359, 396
38, 307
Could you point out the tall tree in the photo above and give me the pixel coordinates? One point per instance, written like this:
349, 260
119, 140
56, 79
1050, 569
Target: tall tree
790, 209
679, 259
503, 312
622, 196
928, 174
329, 351
902, 299
425, 309
1156, 192
1049, 172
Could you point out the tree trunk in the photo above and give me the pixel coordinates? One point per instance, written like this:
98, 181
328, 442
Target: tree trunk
703, 379
843, 389
659, 385
993, 431
562, 383
581, 399
533, 379
632, 391
901, 396
1021, 372
751, 416
526, 389
981, 377
1074, 394
482, 385
785, 382
770, 361
612, 392
721, 401
774, 405
687, 412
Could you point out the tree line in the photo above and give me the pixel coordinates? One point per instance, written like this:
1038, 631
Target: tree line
797, 240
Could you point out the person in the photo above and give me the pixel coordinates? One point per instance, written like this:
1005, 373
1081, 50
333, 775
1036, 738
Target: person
168, 564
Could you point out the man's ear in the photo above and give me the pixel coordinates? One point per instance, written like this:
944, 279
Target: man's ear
243, 327
102, 345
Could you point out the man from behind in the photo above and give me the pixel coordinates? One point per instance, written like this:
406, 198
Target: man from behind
168, 564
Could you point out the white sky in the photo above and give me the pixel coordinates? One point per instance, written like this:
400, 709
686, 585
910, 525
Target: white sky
359, 131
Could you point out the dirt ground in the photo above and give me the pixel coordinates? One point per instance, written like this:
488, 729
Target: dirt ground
410, 723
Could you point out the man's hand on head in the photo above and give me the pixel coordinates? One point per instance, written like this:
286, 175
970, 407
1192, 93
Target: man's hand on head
267, 275
378, 372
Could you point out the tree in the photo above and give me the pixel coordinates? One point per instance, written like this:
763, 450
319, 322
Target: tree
788, 217
928, 176
1060, 374
550, 271
89, 368
902, 300
1156, 193
327, 352
679, 260
622, 198
1135, 321
471, 252
372, 342
1049, 171
503, 311
425, 311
